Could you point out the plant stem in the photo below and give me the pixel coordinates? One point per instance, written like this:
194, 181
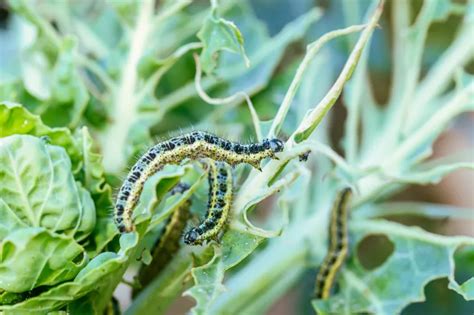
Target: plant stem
312, 120
442, 72
123, 114
312, 50
92, 66
430, 129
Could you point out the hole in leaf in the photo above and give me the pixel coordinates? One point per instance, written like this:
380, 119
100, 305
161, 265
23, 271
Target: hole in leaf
440, 300
374, 250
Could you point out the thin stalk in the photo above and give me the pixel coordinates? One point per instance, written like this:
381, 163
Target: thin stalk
312, 50
441, 74
124, 112
93, 67
435, 123
312, 120
233, 99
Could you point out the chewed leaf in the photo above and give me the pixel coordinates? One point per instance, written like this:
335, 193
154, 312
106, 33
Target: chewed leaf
264, 193
208, 283
218, 34
420, 255
32, 257
37, 188
15, 119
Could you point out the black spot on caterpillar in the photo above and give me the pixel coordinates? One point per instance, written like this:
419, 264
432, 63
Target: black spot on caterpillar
219, 205
168, 243
194, 145
303, 157
338, 245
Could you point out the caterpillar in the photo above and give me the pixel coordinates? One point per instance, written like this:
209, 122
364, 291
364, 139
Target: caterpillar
303, 157
169, 241
338, 245
194, 145
219, 204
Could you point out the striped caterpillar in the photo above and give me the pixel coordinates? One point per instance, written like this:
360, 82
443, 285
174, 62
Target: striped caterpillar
338, 245
219, 204
194, 145
169, 241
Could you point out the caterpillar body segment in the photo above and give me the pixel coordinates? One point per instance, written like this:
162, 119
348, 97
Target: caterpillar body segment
338, 246
219, 204
194, 145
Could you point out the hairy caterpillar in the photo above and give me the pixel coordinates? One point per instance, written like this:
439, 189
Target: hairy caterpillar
194, 145
338, 245
169, 241
304, 156
220, 202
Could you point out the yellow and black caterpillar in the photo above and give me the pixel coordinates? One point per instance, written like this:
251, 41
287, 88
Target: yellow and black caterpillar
220, 202
337, 247
194, 145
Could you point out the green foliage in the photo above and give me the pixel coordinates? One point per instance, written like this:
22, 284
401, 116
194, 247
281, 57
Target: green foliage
80, 99
49, 258
427, 255
218, 34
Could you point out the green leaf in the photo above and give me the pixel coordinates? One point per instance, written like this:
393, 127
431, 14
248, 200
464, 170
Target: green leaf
158, 295
420, 255
171, 203
33, 256
466, 289
218, 34
100, 276
208, 283
37, 188
69, 95
15, 119
265, 56
92, 176
236, 245
92, 172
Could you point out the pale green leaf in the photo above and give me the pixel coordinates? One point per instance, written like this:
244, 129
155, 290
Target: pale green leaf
422, 255
92, 176
37, 186
207, 283
218, 34
33, 256
15, 119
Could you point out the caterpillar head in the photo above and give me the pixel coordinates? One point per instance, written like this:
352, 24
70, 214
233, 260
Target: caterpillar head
276, 145
190, 238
